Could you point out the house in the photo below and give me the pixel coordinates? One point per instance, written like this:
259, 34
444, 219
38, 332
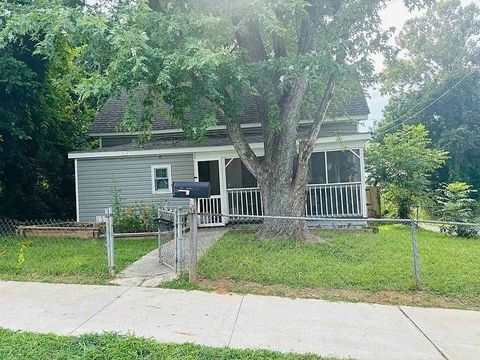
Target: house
336, 177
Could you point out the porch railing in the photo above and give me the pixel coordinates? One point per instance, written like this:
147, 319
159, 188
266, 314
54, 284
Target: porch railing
323, 200
244, 201
211, 205
334, 200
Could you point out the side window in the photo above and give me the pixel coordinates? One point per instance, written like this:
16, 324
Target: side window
161, 179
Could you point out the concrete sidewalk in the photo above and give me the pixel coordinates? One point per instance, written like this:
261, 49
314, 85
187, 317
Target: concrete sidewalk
359, 331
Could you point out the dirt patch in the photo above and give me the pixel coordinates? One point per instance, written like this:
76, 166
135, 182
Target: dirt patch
411, 298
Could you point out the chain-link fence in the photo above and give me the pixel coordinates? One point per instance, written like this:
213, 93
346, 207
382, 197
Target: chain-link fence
51, 250
377, 255
65, 251
303, 254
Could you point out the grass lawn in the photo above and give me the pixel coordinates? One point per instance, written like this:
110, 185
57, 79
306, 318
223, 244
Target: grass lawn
22, 346
350, 260
66, 260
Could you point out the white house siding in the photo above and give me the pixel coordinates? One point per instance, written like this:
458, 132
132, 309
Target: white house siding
132, 176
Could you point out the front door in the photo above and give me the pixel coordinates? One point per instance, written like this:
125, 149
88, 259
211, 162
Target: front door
210, 210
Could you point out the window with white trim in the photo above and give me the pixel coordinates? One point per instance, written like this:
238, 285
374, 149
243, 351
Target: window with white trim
161, 179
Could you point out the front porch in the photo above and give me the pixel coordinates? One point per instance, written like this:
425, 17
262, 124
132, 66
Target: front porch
336, 187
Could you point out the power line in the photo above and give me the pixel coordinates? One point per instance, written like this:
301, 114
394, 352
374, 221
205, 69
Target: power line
410, 110
389, 127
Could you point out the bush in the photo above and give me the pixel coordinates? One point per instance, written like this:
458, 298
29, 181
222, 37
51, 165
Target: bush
456, 205
139, 217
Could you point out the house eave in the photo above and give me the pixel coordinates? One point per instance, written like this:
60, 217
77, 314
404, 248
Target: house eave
354, 118
324, 142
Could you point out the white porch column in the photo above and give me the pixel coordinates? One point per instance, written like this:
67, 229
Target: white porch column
363, 186
223, 187
77, 198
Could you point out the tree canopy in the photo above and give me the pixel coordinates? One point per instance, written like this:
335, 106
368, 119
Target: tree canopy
434, 79
40, 122
295, 58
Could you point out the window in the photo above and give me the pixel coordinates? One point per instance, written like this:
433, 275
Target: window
238, 176
161, 179
316, 169
343, 166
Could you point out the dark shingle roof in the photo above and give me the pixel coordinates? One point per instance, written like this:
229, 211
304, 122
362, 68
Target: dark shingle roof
113, 111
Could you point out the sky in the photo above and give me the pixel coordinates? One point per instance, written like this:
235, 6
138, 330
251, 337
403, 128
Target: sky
394, 15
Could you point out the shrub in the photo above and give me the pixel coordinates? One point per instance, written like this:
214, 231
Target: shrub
138, 217
456, 205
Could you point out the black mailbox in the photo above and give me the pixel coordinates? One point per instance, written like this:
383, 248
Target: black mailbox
192, 190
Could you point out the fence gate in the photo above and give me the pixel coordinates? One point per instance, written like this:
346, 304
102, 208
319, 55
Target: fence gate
171, 242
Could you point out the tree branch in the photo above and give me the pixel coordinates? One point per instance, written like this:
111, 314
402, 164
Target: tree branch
244, 151
308, 30
286, 138
241, 145
253, 42
279, 47
306, 145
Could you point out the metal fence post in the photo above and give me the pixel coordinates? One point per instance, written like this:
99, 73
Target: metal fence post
193, 242
107, 238
180, 241
110, 241
416, 259
159, 236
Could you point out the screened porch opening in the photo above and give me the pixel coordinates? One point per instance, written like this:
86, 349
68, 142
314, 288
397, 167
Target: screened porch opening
242, 189
334, 186
209, 171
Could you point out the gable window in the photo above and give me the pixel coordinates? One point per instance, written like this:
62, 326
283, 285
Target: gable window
161, 179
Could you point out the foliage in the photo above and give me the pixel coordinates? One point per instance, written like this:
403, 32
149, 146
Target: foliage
401, 164
23, 345
437, 66
138, 217
40, 122
66, 260
294, 60
350, 260
457, 205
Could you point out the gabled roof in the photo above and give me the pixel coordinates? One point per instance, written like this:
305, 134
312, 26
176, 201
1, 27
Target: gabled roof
112, 113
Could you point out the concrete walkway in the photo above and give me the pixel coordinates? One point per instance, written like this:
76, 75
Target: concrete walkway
359, 331
149, 272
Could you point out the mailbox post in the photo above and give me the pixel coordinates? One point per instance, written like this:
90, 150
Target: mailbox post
192, 273
193, 191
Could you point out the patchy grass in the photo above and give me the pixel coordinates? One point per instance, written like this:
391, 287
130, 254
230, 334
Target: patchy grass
67, 260
20, 346
183, 283
355, 263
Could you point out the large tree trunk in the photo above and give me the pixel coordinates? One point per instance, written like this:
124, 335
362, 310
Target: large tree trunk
282, 172
283, 191
280, 199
